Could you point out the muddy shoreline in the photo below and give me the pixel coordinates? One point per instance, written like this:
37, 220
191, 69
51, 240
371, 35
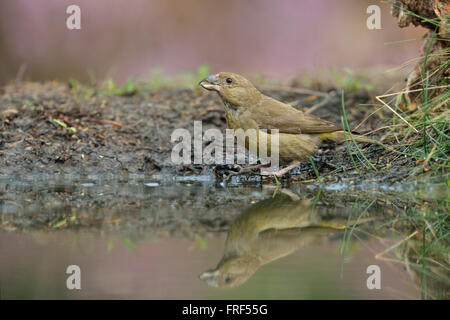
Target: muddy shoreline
114, 152
121, 135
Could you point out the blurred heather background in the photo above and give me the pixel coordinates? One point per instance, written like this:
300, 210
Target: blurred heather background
131, 38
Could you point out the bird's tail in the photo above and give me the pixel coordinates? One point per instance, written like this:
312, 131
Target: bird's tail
340, 136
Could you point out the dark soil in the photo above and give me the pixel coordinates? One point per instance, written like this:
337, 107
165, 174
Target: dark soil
131, 134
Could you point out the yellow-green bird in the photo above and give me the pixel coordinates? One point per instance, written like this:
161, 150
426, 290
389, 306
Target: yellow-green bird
300, 134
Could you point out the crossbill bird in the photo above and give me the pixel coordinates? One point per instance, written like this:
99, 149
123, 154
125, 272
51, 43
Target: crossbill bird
300, 134
267, 231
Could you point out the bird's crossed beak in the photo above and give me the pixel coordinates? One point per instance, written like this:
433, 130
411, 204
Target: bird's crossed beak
211, 82
210, 277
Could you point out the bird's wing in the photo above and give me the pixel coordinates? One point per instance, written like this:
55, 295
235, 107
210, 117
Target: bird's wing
273, 114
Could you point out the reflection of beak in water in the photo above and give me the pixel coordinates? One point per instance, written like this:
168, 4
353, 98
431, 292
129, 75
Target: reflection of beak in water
267, 231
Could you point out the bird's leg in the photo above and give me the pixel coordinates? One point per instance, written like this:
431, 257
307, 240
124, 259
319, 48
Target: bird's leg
283, 171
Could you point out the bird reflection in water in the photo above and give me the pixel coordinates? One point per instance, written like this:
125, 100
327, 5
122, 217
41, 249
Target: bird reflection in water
267, 231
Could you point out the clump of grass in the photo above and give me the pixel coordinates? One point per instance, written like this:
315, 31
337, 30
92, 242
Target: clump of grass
420, 128
425, 230
347, 132
157, 79
109, 88
349, 80
350, 228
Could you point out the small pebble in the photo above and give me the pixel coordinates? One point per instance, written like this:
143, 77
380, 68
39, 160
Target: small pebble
152, 184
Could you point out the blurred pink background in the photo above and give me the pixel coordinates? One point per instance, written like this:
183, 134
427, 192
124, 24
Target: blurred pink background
130, 38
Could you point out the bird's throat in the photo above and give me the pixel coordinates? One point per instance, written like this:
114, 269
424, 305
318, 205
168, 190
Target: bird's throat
231, 114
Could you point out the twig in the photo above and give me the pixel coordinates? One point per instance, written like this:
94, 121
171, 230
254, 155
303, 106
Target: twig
429, 157
114, 123
395, 112
366, 118
15, 143
319, 105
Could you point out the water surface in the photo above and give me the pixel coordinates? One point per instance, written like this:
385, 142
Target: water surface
195, 238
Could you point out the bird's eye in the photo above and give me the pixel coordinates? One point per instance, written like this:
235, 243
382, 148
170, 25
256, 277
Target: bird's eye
227, 280
229, 80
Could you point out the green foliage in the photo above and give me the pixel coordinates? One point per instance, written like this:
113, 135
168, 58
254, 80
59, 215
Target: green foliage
111, 245
186, 79
129, 243
201, 242
110, 88
60, 223
202, 72
362, 158
431, 143
319, 179
157, 79
426, 252
64, 125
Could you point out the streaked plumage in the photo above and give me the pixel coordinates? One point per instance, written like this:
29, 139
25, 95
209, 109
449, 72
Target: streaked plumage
247, 108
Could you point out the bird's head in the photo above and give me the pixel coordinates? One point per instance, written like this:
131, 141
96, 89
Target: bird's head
231, 273
232, 88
